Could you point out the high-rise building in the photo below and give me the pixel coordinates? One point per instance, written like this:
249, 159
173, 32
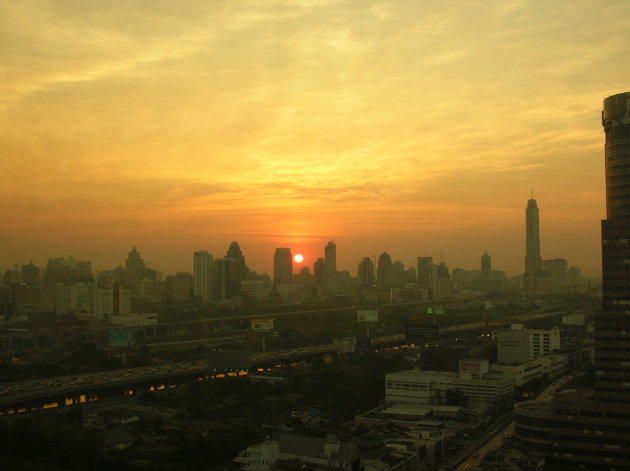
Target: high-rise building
224, 278
365, 272
330, 270
425, 267
532, 238
240, 268
30, 274
532, 244
486, 266
384, 275
134, 265
319, 272
202, 275
282, 266
612, 344
590, 429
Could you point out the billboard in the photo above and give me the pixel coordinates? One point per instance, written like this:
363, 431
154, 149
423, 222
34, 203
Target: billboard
435, 309
421, 331
119, 338
473, 366
262, 325
367, 316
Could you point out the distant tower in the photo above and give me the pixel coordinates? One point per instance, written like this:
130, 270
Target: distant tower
282, 266
319, 269
240, 269
223, 278
134, 265
532, 239
425, 267
330, 255
365, 272
384, 271
30, 274
202, 275
486, 266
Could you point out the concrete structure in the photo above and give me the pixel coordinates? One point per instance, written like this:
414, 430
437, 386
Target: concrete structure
431, 387
540, 342
543, 342
547, 367
202, 276
512, 346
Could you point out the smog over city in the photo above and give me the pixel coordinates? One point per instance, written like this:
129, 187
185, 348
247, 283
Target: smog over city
314, 234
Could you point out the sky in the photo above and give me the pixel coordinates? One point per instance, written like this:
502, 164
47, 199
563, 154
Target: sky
413, 127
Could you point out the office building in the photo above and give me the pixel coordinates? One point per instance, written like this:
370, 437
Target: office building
240, 268
330, 270
135, 265
30, 274
425, 267
486, 266
282, 266
224, 278
384, 274
590, 428
319, 272
365, 273
202, 276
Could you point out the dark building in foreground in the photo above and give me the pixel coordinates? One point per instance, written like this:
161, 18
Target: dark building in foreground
590, 428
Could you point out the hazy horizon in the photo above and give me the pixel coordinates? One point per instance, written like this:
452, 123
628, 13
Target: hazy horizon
407, 127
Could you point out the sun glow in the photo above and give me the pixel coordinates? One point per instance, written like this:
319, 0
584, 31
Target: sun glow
298, 258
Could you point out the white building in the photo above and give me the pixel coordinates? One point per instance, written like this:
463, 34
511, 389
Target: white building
551, 366
543, 342
511, 343
480, 390
112, 300
202, 275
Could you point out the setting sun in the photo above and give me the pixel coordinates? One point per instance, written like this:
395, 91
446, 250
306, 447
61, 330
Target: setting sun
298, 258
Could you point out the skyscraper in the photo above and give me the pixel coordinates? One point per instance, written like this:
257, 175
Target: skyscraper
330, 269
384, 271
134, 265
532, 239
202, 275
425, 266
612, 325
590, 428
239, 270
486, 266
365, 272
282, 266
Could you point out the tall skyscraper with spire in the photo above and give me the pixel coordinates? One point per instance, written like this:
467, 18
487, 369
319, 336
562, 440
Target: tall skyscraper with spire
532, 238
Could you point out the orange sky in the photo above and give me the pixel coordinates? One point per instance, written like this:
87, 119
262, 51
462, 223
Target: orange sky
404, 126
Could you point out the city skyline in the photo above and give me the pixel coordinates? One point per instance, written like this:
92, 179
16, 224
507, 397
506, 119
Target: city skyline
407, 128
